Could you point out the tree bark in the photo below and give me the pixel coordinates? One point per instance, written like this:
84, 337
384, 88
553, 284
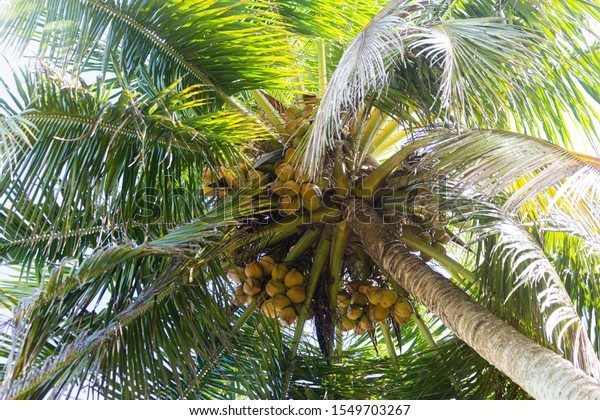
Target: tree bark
539, 371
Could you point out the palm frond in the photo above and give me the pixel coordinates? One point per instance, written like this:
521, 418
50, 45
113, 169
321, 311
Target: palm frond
361, 70
251, 53
561, 186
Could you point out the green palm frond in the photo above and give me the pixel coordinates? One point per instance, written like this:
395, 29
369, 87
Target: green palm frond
253, 52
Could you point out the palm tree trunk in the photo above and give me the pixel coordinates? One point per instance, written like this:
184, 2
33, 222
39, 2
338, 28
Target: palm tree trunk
539, 371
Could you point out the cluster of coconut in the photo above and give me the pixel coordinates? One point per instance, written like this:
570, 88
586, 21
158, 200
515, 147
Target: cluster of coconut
436, 237
285, 288
294, 188
363, 305
221, 182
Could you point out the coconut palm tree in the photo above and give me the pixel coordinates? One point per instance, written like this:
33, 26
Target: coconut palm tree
315, 199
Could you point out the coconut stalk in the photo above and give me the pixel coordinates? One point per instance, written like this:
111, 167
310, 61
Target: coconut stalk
321, 256
538, 370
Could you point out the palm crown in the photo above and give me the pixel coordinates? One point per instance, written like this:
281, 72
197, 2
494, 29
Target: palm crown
159, 149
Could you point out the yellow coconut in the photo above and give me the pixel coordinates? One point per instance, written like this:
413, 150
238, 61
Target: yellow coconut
266, 263
365, 323
229, 176
343, 299
387, 297
281, 302
359, 331
354, 312
301, 176
236, 274
363, 288
279, 272
275, 288
287, 316
277, 187
293, 113
256, 178
284, 171
291, 187
289, 205
252, 286
293, 278
347, 324
323, 183
353, 286
240, 296
289, 155
207, 176
378, 313
402, 309
208, 191
298, 308
311, 196
296, 294
253, 270
358, 299
373, 295
268, 308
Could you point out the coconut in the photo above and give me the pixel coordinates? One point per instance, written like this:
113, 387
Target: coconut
359, 331
266, 263
236, 274
373, 295
288, 155
293, 113
290, 187
254, 270
277, 187
323, 183
298, 308
302, 127
275, 288
353, 286
240, 296
208, 191
287, 316
402, 309
378, 313
268, 308
387, 297
425, 237
365, 323
284, 171
229, 176
363, 288
440, 247
301, 176
346, 324
289, 205
256, 178
252, 286
343, 299
281, 302
424, 257
293, 278
358, 299
354, 312
207, 176
296, 294
279, 272
311, 196
291, 126
440, 235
